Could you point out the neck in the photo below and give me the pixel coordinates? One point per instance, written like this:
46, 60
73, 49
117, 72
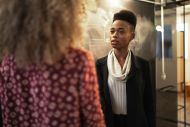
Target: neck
121, 56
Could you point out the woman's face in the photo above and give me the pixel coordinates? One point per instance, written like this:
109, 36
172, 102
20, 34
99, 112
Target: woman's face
121, 33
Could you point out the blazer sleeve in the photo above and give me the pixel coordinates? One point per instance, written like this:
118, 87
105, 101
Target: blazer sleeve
149, 96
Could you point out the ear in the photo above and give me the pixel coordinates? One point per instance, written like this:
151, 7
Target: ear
132, 35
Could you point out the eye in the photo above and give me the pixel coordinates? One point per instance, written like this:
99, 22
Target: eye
112, 31
121, 31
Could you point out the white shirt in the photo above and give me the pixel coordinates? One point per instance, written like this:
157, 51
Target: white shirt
117, 82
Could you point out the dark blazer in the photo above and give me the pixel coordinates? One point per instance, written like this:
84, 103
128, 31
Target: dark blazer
141, 109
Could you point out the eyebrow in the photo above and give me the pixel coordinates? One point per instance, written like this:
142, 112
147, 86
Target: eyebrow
123, 28
120, 28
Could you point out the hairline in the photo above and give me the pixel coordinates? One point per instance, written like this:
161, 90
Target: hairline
132, 28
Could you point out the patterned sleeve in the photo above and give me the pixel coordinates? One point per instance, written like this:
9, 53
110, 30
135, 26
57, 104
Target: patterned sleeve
1, 80
91, 113
1, 86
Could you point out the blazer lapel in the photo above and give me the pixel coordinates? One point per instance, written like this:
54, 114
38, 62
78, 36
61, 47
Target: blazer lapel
108, 110
106, 89
132, 89
134, 66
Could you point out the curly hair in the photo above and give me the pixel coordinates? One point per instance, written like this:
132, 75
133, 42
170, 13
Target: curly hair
38, 31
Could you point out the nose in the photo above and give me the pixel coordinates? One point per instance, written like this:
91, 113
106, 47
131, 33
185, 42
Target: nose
115, 34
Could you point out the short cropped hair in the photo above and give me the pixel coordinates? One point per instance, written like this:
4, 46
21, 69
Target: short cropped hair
127, 16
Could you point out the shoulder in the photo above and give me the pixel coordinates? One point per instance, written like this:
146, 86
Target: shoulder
101, 61
7, 62
140, 62
81, 54
79, 51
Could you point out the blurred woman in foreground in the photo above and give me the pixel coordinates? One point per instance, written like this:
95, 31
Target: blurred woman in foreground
45, 79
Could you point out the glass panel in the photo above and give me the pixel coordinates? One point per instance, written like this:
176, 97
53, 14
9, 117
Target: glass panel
166, 87
180, 65
187, 63
175, 90
171, 101
183, 48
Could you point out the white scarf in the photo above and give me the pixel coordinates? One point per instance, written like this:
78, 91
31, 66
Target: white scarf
114, 67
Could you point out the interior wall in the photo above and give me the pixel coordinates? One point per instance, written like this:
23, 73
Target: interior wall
187, 64
100, 16
180, 21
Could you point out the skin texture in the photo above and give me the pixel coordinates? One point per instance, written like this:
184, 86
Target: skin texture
121, 34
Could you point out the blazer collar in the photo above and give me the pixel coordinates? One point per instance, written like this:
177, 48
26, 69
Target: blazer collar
135, 65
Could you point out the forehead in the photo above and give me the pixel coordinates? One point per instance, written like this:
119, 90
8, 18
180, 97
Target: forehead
120, 24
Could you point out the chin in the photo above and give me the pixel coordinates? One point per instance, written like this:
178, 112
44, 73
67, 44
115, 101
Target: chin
114, 46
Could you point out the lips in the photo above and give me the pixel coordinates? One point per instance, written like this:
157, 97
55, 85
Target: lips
114, 42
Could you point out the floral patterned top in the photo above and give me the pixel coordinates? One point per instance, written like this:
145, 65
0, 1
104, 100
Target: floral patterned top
61, 95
